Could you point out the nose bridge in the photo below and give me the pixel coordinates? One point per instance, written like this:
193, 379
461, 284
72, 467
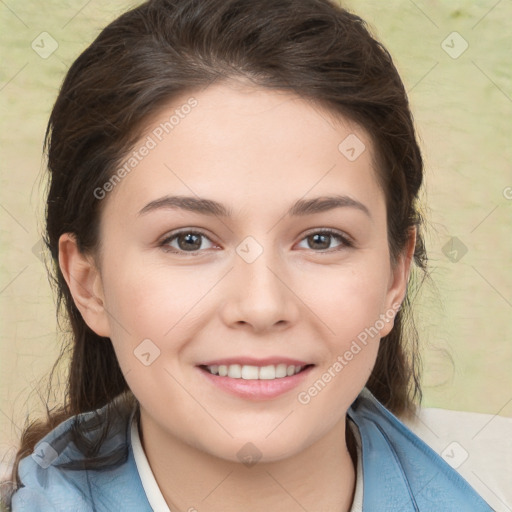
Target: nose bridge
257, 265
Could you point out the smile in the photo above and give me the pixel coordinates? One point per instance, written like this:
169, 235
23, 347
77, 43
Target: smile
255, 382
250, 372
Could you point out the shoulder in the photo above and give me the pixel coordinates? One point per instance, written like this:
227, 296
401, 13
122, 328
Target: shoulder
401, 467
63, 473
478, 446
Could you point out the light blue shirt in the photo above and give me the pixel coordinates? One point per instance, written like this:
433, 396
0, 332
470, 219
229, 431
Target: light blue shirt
401, 473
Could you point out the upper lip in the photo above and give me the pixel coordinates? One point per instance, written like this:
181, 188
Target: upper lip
252, 361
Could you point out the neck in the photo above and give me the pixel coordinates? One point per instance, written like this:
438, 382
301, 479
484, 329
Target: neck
321, 477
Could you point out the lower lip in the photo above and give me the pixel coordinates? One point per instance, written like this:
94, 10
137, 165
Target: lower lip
255, 389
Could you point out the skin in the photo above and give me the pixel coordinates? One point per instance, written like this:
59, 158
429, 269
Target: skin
298, 299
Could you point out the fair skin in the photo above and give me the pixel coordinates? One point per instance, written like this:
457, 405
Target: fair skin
304, 298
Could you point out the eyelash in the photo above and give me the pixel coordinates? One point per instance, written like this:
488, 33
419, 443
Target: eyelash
346, 242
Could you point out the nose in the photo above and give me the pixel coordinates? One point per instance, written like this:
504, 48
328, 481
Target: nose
258, 295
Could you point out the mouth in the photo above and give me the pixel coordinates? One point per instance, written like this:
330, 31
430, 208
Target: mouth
256, 382
252, 372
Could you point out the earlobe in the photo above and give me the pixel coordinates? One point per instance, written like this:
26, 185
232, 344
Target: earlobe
84, 281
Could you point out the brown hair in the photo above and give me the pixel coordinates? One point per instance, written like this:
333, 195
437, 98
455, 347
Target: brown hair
164, 48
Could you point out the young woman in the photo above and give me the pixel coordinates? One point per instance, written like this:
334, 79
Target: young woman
232, 216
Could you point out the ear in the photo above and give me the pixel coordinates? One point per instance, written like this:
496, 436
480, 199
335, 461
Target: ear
398, 283
84, 282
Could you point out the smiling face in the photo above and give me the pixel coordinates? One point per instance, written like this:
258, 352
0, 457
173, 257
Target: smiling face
244, 236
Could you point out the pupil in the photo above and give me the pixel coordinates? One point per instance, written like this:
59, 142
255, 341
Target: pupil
190, 237
326, 240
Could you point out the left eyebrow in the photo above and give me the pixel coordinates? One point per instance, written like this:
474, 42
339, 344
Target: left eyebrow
214, 208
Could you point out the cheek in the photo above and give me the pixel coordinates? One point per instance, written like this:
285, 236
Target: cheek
349, 303
350, 312
154, 303
150, 300
348, 299
152, 318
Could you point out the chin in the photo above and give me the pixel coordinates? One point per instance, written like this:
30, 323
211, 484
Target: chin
258, 450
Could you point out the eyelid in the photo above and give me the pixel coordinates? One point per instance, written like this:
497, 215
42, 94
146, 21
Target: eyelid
344, 236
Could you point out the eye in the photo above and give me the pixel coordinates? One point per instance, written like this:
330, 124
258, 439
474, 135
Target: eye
187, 241
321, 240
191, 241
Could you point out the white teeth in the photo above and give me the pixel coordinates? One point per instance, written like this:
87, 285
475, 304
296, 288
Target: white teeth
267, 372
280, 371
235, 371
249, 372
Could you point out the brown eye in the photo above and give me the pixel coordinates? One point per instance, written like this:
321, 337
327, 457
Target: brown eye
321, 240
186, 241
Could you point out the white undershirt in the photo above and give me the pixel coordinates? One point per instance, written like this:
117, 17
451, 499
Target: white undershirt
158, 503
153, 493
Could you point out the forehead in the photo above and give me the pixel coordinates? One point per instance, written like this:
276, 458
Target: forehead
239, 142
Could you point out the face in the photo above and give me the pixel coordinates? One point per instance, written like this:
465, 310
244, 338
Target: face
272, 280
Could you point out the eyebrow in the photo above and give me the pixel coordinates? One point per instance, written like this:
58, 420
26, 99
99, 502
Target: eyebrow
214, 208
